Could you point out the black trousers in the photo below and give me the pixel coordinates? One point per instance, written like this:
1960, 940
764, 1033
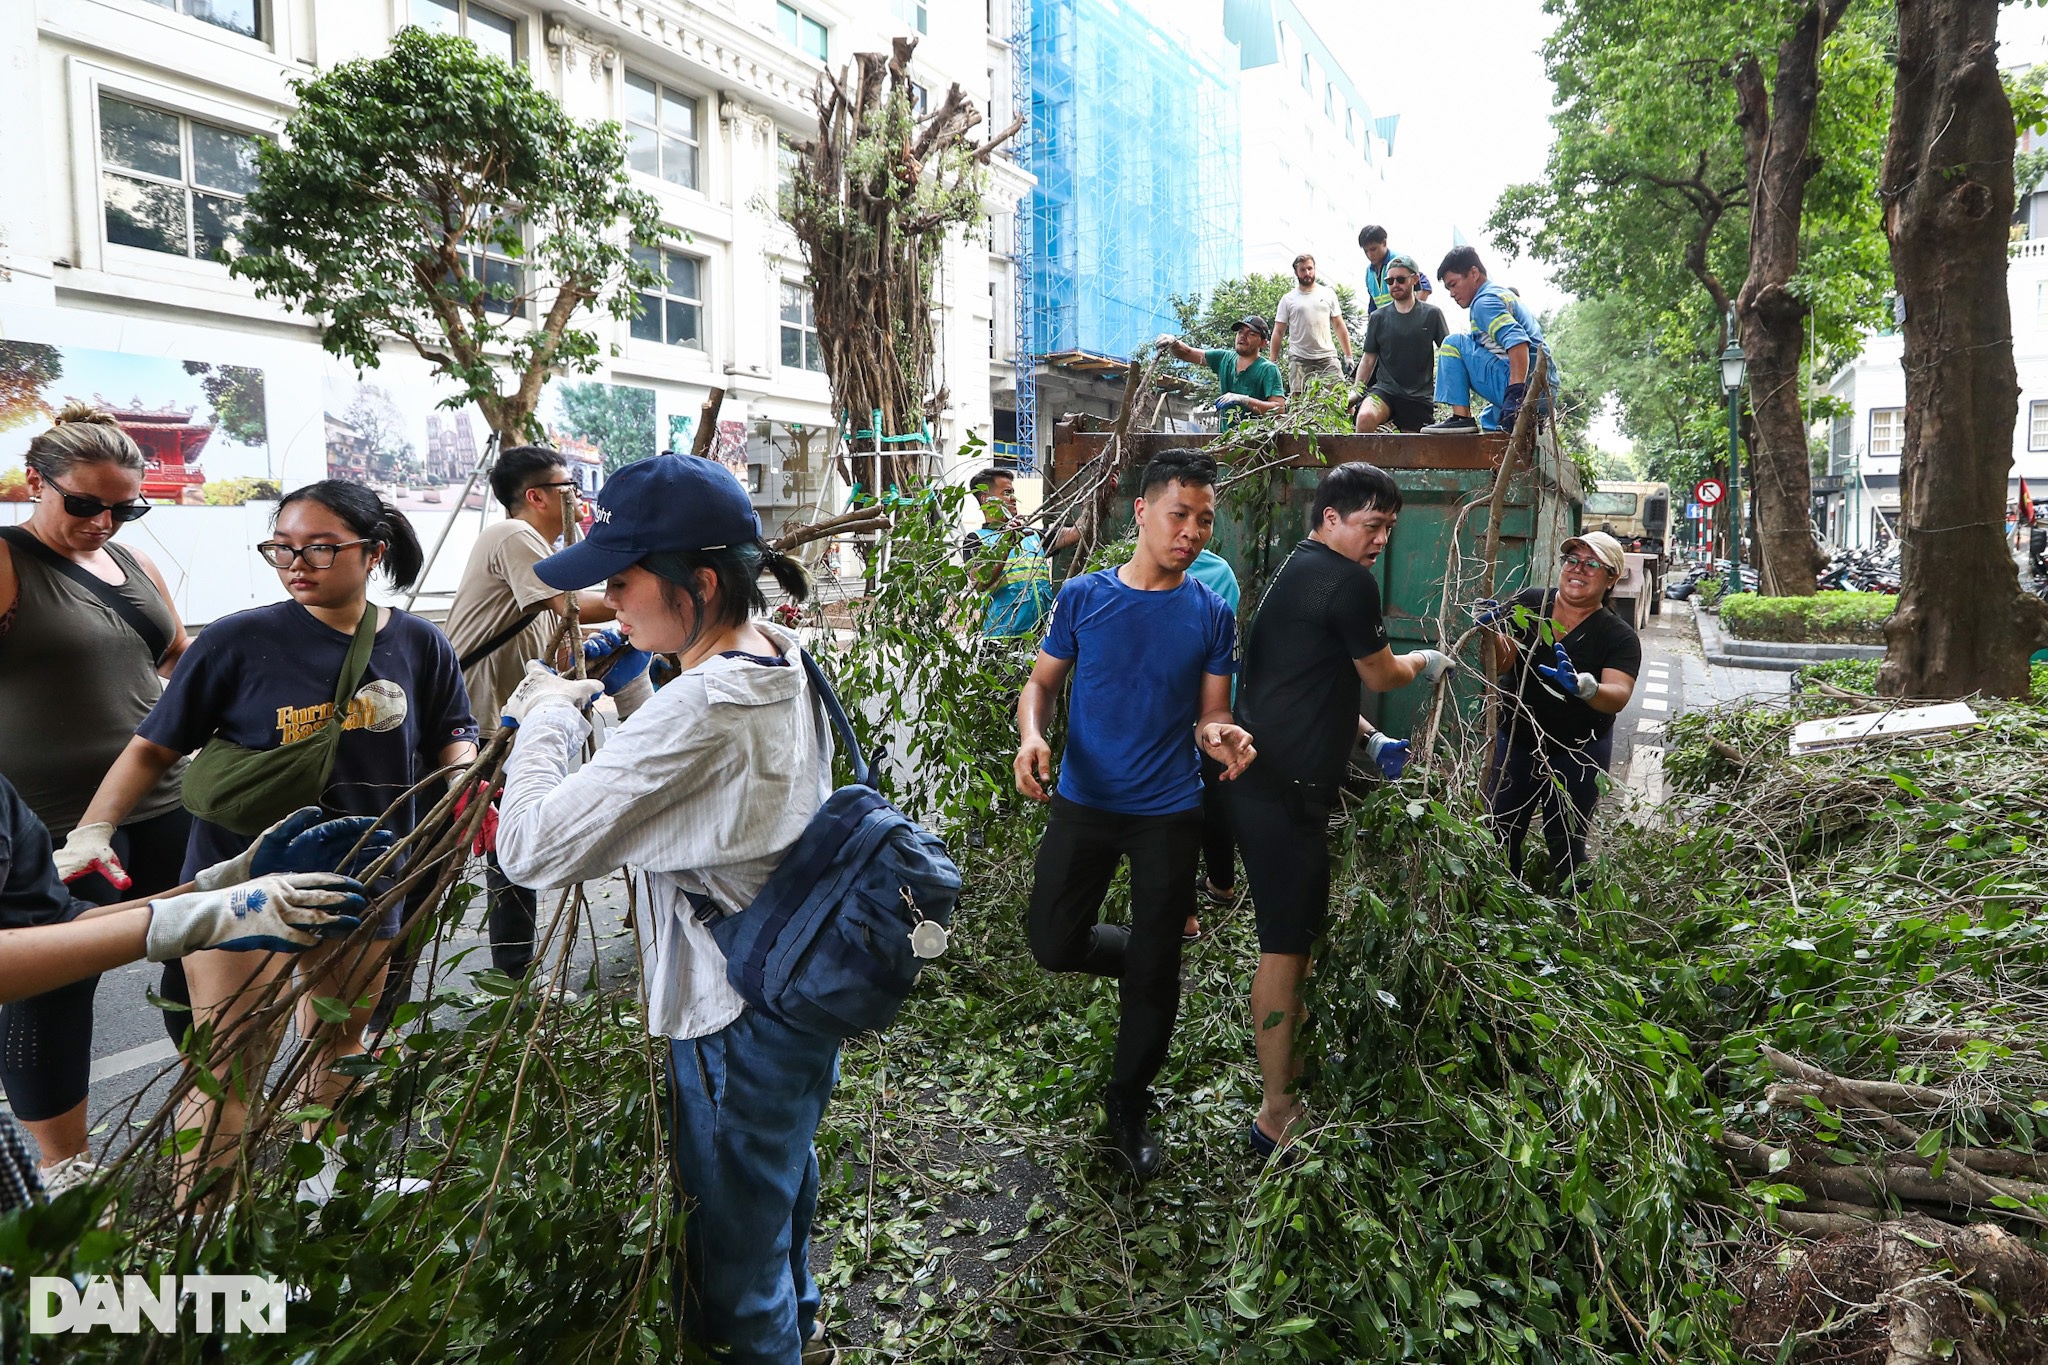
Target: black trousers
1076, 860
513, 912
1532, 773
46, 1040
1219, 847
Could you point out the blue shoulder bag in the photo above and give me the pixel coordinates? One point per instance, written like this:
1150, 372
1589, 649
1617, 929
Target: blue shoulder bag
835, 940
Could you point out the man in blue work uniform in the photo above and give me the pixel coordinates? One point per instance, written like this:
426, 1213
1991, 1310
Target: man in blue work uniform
1492, 360
1372, 240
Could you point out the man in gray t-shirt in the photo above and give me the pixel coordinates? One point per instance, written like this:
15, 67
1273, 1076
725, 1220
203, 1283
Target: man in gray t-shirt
1397, 363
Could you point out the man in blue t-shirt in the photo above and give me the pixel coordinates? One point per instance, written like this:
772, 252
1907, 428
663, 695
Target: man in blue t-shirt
1008, 562
1151, 652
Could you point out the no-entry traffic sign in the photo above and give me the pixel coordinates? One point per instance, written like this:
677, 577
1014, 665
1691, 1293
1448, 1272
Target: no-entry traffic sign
1709, 491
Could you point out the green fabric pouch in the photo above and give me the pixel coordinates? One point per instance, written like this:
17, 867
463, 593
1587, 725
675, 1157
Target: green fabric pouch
249, 790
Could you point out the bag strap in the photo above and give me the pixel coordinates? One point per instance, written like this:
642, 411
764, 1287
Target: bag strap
355, 661
146, 630
498, 641
863, 771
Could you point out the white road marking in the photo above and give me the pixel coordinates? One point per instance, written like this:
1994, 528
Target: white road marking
1646, 728
1655, 687
134, 1059
1656, 704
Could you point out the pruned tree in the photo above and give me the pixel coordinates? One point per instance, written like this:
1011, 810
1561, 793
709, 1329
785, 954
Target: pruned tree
875, 193
1962, 623
437, 197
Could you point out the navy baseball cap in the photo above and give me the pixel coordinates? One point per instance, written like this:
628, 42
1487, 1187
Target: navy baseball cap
655, 506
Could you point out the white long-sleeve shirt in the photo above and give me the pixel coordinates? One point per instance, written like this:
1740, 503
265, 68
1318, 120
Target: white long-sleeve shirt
704, 790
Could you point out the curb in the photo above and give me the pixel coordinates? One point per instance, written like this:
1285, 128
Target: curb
1777, 655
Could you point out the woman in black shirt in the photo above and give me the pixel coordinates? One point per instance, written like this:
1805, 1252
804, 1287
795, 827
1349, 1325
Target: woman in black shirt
1560, 728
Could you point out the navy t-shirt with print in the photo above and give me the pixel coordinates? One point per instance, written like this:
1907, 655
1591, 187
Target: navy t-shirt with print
1139, 660
265, 677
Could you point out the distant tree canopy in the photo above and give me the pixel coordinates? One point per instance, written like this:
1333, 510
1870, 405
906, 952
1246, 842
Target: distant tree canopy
1211, 322
236, 392
26, 367
616, 418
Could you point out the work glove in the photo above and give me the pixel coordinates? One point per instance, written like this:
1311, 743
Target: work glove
486, 840
281, 914
1389, 753
301, 842
542, 687
1488, 610
90, 849
1568, 678
1164, 341
1511, 404
1232, 400
628, 663
1435, 663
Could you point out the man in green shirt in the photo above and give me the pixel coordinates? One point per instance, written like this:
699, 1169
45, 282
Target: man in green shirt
1250, 382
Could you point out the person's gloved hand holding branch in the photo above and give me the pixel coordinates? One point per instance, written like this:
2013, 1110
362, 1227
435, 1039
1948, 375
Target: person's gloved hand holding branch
303, 841
1563, 675
1435, 663
627, 663
281, 914
542, 687
1511, 405
1390, 755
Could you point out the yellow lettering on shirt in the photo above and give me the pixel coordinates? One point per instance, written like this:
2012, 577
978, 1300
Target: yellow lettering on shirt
295, 723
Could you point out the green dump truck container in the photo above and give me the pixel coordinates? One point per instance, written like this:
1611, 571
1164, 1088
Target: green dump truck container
1446, 483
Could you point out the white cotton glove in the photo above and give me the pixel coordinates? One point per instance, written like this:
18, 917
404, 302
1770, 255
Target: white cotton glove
542, 686
89, 849
1164, 341
1435, 663
271, 914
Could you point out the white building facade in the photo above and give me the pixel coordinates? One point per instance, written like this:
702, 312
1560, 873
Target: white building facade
1857, 501
128, 148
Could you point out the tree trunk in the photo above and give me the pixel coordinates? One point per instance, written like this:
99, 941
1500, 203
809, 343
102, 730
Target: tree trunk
1777, 129
1962, 625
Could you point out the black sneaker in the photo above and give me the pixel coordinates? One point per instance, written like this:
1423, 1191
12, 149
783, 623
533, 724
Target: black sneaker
1136, 1146
1451, 426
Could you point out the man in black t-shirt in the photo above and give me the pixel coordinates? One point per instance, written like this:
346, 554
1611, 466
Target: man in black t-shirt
1572, 667
1397, 362
1317, 634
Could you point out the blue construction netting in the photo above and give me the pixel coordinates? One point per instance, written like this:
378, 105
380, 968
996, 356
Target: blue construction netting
1022, 275
1133, 140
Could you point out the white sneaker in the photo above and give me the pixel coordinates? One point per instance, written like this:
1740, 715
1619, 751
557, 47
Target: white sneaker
318, 1188
72, 1171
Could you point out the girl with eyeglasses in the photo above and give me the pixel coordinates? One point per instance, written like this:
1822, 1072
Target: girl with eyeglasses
87, 635
267, 677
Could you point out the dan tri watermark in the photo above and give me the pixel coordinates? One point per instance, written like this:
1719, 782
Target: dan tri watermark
226, 1303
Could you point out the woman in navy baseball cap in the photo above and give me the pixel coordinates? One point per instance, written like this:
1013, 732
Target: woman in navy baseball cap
704, 789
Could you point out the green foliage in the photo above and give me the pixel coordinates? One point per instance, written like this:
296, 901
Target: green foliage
391, 177
26, 367
1849, 618
235, 492
2028, 92
1643, 206
236, 392
616, 418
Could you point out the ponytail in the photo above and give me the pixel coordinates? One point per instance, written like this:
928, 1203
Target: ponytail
789, 574
736, 594
373, 519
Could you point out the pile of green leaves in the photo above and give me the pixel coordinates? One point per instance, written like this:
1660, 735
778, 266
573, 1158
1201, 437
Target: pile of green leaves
1847, 618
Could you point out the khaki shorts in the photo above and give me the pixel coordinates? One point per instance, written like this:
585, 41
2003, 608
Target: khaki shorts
1302, 373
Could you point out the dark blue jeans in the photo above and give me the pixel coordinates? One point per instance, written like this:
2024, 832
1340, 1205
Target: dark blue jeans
1536, 773
746, 1103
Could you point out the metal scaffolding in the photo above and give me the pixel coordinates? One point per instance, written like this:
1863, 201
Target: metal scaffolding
1133, 140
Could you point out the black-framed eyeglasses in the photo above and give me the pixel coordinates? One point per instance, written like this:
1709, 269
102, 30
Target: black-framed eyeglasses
85, 508
1574, 562
318, 556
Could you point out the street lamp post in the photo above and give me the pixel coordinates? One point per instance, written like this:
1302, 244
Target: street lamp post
1733, 366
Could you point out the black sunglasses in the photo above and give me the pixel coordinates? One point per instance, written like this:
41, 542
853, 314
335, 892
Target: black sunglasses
84, 508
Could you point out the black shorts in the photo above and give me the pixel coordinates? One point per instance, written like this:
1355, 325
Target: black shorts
1284, 839
1409, 414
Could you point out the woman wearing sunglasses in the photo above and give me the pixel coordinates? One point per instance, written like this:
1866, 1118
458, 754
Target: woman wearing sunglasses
267, 678
1571, 666
87, 635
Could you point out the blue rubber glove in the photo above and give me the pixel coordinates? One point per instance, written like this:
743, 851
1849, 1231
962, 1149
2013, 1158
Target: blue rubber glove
628, 663
1488, 610
304, 841
1511, 405
1389, 753
271, 914
1573, 682
1232, 400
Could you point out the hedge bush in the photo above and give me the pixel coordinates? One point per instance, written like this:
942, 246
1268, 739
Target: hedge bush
1839, 618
